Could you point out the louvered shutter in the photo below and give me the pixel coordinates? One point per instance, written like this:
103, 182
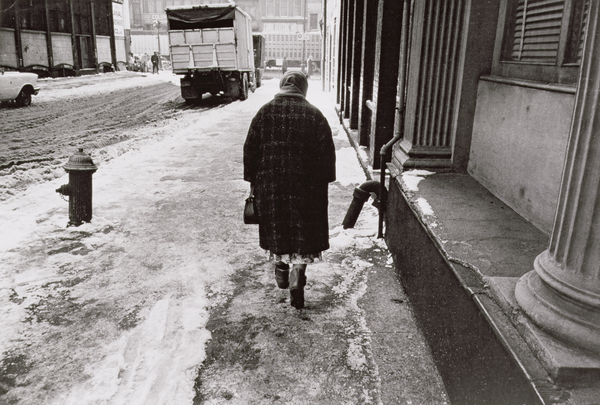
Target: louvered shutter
581, 34
537, 31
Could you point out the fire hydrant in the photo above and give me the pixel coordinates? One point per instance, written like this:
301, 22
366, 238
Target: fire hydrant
79, 190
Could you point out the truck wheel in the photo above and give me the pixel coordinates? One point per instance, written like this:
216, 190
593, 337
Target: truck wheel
23, 99
244, 89
233, 90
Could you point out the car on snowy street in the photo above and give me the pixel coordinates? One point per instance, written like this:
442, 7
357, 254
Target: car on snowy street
18, 87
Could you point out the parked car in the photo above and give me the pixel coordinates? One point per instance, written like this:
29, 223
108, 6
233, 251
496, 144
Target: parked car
18, 87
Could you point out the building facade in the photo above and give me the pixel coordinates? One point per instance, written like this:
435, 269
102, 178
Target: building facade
292, 30
62, 37
503, 92
146, 13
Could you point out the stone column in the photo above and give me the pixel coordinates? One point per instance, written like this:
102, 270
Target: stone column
562, 294
356, 63
341, 55
367, 70
348, 57
385, 76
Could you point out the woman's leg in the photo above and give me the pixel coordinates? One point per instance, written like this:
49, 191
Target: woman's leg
282, 274
297, 283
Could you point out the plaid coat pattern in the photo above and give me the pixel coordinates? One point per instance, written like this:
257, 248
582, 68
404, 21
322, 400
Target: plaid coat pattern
289, 157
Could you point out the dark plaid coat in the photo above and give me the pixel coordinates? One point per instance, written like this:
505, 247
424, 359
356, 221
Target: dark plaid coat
289, 157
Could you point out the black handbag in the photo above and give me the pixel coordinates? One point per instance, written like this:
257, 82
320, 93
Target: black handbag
250, 209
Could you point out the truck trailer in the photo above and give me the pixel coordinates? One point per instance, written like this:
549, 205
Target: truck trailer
211, 46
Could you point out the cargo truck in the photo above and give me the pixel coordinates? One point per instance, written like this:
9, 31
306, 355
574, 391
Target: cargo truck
211, 46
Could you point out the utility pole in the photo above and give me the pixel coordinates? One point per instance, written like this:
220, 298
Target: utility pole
158, 24
305, 12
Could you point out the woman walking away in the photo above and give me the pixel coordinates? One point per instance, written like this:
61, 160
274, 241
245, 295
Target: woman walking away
289, 159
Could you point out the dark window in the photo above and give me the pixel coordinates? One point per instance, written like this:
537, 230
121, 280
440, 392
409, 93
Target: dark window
102, 15
60, 15
32, 15
7, 13
543, 40
298, 7
83, 17
136, 12
313, 22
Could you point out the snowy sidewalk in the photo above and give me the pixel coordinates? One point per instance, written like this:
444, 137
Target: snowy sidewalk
166, 298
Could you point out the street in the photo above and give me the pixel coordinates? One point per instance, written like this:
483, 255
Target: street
83, 112
166, 297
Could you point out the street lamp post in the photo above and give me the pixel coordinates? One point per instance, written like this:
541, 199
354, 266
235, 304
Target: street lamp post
303, 64
157, 23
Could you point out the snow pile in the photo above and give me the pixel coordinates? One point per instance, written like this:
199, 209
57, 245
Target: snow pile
412, 178
424, 206
85, 86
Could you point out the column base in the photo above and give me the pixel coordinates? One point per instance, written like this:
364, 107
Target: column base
440, 161
566, 365
557, 307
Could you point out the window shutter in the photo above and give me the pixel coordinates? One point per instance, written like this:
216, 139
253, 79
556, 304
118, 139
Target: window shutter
582, 30
537, 31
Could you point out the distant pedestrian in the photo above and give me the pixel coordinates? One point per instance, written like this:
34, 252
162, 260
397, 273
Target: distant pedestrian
289, 159
145, 59
155, 60
284, 65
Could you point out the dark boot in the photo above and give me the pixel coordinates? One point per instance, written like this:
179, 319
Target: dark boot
297, 283
282, 275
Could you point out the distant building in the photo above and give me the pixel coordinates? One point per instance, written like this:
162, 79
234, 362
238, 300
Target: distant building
145, 13
292, 30
62, 37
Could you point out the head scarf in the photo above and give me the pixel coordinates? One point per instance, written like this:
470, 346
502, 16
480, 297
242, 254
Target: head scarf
293, 84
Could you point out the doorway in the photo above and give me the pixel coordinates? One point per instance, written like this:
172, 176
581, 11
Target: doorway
84, 48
